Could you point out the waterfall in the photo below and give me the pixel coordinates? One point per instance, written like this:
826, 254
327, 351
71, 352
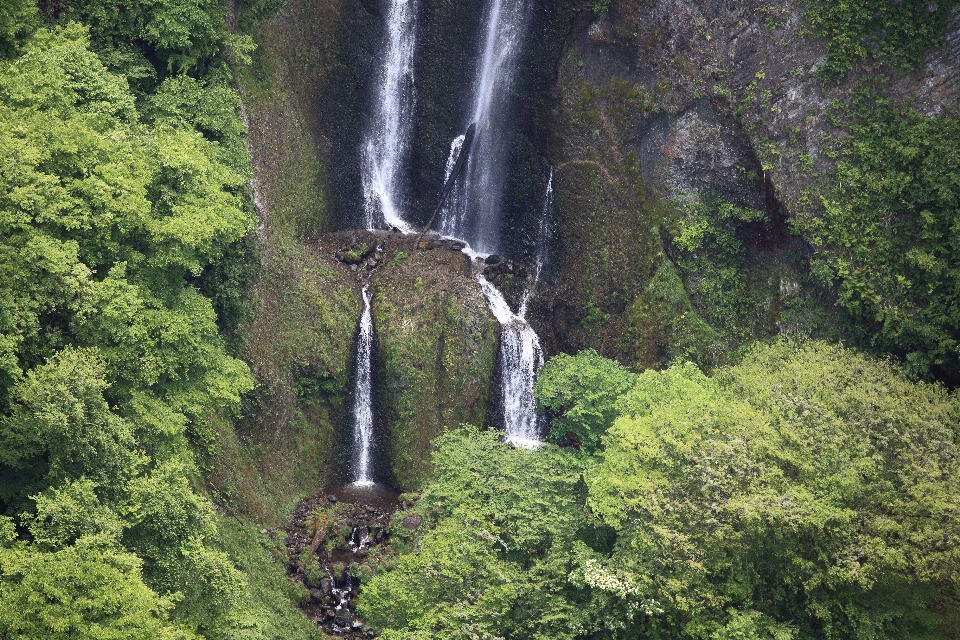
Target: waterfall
520, 353
472, 214
520, 358
386, 144
473, 210
363, 399
543, 237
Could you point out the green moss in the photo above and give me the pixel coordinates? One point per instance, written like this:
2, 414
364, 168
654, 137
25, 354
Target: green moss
299, 348
610, 243
300, 97
399, 257
435, 357
269, 610
663, 325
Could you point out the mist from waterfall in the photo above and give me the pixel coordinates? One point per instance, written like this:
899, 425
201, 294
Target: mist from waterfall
363, 399
389, 132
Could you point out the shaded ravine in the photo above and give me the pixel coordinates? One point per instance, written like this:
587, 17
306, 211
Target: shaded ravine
388, 136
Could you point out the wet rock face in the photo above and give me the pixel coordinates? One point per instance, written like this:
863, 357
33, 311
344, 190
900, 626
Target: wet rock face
712, 95
688, 100
435, 342
510, 277
334, 544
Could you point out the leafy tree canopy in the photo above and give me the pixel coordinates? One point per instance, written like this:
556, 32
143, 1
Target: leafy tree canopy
887, 233
581, 393
112, 367
808, 492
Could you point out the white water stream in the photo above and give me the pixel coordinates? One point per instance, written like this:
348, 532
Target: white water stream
363, 399
389, 134
520, 358
472, 213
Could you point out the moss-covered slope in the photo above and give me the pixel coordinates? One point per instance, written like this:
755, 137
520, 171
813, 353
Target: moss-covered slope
436, 350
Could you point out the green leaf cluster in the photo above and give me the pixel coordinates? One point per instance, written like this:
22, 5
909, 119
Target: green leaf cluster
887, 233
179, 34
118, 211
897, 33
500, 534
580, 392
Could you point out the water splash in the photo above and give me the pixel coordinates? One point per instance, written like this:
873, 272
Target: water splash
387, 140
363, 399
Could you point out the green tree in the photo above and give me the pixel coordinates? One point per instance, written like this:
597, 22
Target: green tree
17, 19
810, 484
178, 33
581, 392
88, 591
60, 427
67, 513
886, 235
111, 363
498, 538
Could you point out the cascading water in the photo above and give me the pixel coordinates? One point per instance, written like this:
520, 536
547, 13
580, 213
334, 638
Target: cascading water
473, 210
472, 214
363, 399
543, 237
520, 358
389, 132
520, 353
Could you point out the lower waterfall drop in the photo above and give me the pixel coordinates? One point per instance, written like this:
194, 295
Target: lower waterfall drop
520, 358
363, 399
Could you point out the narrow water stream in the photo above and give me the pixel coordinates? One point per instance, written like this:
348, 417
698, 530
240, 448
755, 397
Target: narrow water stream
388, 135
363, 399
520, 358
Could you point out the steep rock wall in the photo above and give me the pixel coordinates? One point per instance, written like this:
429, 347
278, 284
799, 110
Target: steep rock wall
662, 105
436, 352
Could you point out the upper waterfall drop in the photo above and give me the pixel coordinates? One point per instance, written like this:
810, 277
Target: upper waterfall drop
388, 136
473, 211
363, 399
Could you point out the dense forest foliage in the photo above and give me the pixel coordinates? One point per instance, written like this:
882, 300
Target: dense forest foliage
808, 492
124, 232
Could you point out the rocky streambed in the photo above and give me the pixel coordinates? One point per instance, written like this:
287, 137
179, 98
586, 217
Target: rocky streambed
334, 542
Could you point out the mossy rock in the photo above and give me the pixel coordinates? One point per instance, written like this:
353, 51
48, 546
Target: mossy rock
299, 351
436, 351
